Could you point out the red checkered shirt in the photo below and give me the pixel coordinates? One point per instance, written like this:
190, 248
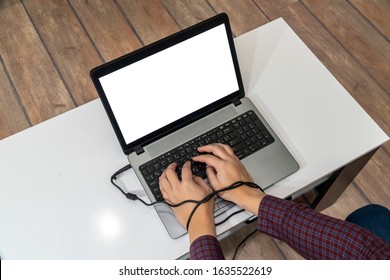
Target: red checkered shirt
311, 234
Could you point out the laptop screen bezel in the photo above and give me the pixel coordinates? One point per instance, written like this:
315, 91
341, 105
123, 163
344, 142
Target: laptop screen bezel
156, 47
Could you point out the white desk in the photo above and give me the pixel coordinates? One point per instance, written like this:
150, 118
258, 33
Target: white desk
56, 200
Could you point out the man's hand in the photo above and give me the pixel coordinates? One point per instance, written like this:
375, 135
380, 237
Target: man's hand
224, 169
189, 187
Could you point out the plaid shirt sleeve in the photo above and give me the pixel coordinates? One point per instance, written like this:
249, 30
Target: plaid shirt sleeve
206, 248
317, 236
311, 234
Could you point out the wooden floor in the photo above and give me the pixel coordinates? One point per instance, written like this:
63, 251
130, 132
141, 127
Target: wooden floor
47, 48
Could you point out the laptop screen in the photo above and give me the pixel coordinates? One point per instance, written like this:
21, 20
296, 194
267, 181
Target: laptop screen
166, 86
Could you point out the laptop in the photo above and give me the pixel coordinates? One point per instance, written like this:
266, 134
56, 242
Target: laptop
182, 92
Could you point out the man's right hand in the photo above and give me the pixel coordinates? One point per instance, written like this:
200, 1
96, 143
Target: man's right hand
224, 169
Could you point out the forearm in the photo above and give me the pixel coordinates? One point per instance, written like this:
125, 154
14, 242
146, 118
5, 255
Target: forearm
202, 223
317, 236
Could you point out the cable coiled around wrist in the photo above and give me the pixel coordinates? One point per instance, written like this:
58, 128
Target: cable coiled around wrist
197, 203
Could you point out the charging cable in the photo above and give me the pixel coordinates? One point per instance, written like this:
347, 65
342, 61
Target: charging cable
196, 202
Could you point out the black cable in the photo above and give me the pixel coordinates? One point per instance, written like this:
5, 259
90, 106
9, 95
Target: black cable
228, 217
211, 195
197, 202
242, 242
135, 197
113, 177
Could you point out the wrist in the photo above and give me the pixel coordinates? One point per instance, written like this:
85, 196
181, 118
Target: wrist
202, 222
248, 198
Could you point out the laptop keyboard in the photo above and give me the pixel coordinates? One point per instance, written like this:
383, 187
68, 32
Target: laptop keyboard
245, 134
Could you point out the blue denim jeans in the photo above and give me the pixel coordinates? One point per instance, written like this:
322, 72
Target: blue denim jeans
374, 218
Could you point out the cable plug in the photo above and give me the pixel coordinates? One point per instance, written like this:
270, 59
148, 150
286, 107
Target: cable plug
131, 196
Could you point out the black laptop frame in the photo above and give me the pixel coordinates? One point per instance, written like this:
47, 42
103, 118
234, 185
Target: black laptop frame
156, 47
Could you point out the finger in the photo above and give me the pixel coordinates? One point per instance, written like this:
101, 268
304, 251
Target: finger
165, 193
172, 166
226, 148
163, 181
186, 172
212, 176
208, 159
200, 182
220, 150
171, 175
223, 146
165, 187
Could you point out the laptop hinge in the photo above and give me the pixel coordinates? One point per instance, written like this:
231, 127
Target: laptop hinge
139, 150
237, 101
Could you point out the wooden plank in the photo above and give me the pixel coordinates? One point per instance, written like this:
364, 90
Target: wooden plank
107, 27
348, 202
12, 117
187, 12
331, 190
244, 15
149, 18
357, 35
333, 55
374, 179
68, 44
36, 80
287, 251
377, 12
370, 186
258, 247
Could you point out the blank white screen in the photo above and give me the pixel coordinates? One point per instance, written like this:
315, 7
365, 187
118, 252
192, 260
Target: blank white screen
171, 84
